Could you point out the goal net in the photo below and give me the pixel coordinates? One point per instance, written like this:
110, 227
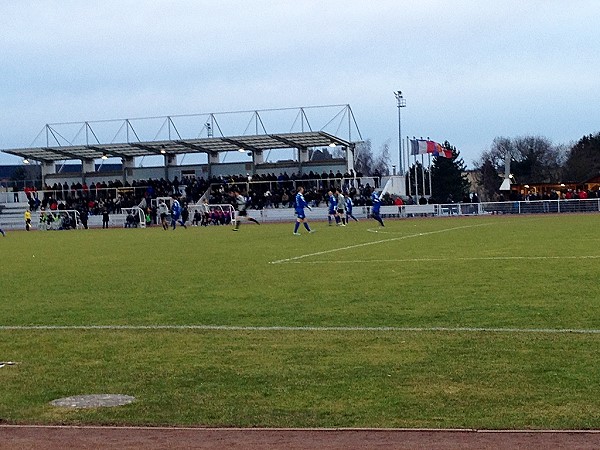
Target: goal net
134, 217
218, 214
65, 219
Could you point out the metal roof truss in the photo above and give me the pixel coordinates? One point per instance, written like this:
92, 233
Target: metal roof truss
251, 143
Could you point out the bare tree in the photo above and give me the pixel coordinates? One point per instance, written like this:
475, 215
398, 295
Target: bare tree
367, 163
534, 159
382, 161
364, 157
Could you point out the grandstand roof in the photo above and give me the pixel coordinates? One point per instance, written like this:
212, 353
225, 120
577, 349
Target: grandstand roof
250, 143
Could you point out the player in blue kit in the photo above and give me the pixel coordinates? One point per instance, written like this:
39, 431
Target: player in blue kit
376, 205
300, 204
332, 208
176, 213
349, 206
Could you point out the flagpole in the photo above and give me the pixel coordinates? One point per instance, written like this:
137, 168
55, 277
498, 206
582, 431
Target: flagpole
416, 181
407, 173
416, 178
408, 158
423, 172
430, 193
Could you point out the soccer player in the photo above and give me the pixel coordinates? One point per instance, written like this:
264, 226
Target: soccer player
176, 213
349, 206
376, 205
332, 208
299, 207
205, 213
163, 210
240, 205
340, 202
2, 232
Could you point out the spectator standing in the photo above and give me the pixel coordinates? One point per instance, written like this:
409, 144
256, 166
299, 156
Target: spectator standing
105, 218
83, 217
376, 178
185, 215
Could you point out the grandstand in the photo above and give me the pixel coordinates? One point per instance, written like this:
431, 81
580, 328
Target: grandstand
212, 145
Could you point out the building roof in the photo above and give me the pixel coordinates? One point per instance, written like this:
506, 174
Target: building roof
211, 145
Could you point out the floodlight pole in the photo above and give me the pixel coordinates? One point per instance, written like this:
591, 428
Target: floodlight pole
401, 104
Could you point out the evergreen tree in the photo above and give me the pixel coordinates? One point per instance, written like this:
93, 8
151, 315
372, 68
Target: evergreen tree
489, 179
448, 182
583, 160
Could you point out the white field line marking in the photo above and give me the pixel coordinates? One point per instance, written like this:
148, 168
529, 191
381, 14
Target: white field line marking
381, 241
479, 258
376, 230
299, 328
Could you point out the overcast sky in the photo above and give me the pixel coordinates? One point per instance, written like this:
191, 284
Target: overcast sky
470, 70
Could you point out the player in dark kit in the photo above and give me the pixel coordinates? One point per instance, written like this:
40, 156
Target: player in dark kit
239, 203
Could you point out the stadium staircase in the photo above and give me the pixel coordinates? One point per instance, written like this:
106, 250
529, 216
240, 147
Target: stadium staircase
12, 215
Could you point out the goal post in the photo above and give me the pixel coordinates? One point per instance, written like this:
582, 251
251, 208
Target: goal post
60, 219
218, 214
134, 217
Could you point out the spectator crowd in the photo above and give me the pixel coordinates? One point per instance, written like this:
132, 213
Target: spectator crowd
261, 191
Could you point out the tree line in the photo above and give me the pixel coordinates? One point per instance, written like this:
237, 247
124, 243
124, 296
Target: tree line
533, 159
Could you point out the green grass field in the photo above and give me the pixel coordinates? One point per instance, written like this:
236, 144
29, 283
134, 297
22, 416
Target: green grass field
446, 322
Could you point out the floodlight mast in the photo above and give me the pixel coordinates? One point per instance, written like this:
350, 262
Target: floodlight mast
401, 104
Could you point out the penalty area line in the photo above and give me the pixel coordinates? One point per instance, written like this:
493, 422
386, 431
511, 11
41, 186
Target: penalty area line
381, 241
300, 328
